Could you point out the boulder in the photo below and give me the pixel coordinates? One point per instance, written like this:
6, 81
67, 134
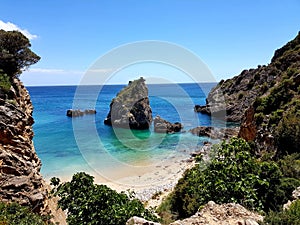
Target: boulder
78, 112
164, 126
140, 221
214, 133
227, 214
131, 107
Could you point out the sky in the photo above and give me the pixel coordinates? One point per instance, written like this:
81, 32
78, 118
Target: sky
71, 36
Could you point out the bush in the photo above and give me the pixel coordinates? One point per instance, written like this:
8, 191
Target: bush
290, 216
89, 203
287, 134
14, 214
5, 83
233, 175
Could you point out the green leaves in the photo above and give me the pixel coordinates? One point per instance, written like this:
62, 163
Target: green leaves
15, 53
89, 203
14, 214
233, 175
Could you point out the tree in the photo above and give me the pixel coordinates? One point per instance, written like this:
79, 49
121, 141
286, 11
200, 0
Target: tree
89, 203
15, 53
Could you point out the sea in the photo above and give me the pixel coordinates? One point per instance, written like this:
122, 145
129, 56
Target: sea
68, 145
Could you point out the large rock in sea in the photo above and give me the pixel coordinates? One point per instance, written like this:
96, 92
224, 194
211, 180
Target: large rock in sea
131, 108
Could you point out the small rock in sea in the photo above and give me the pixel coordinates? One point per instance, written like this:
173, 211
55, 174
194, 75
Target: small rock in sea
78, 112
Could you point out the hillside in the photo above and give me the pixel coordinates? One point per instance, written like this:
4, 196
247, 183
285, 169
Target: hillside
265, 100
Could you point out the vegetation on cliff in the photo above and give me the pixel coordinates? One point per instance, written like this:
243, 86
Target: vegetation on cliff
14, 214
233, 174
89, 203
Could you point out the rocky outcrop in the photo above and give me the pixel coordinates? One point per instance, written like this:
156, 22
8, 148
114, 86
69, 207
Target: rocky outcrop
140, 221
131, 108
215, 133
78, 112
248, 127
225, 214
262, 100
241, 91
21, 180
164, 126
20, 177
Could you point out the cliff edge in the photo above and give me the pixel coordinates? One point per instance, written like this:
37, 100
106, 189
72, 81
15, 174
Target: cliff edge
20, 177
265, 101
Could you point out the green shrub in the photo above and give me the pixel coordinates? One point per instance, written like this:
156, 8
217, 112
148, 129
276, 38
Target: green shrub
287, 134
290, 165
290, 216
89, 203
233, 175
275, 117
259, 118
5, 83
14, 214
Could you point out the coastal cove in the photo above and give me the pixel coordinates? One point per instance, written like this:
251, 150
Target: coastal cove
112, 154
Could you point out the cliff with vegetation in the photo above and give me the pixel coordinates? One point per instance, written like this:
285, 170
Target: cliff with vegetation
23, 192
131, 107
265, 101
21, 180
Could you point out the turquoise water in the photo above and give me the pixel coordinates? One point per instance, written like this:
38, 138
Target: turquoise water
67, 145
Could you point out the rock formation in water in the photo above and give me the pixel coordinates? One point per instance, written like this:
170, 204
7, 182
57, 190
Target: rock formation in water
78, 112
131, 108
20, 177
164, 126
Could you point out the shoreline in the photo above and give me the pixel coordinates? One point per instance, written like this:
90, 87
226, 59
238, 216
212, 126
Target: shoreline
159, 180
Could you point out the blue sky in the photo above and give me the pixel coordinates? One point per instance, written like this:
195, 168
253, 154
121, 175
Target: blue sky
228, 36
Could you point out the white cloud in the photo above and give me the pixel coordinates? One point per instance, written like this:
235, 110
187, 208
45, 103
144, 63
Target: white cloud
10, 27
53, 71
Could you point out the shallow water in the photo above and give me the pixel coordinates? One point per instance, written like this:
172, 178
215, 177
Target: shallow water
67, 145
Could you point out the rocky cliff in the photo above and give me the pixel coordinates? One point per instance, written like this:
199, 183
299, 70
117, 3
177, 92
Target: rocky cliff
20, 177
131, 107
264, 100
21, 180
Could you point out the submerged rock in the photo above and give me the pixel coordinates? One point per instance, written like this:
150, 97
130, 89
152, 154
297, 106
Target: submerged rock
164, 126
131, 108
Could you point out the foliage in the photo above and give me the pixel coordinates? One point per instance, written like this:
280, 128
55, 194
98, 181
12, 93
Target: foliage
5, 83
14, 214
15, 53
278, 97
232, 175
290, 216
287, 134
290, 165
89, 203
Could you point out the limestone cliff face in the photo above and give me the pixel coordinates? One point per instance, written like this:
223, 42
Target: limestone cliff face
131, 107
20, 178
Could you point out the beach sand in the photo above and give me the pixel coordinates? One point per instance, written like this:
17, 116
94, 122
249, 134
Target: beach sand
144, 181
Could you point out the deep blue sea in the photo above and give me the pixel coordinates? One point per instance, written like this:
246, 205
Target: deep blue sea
68, 145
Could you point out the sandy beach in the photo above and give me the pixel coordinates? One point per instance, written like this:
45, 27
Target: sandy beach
145, 181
